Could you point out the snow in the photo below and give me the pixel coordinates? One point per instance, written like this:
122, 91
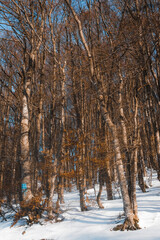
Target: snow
95, 224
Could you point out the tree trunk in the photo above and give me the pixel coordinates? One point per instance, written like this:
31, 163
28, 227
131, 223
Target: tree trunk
25, 151
134, 160
124, 132
141, 172
158, 150
99, 195
52, 180
108, 182
131, 220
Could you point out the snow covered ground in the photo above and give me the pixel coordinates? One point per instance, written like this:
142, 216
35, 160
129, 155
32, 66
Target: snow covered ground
95, 224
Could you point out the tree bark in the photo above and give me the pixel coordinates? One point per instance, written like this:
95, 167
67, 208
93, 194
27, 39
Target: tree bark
25, 150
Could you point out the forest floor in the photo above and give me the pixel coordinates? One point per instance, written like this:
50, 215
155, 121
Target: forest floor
95, 224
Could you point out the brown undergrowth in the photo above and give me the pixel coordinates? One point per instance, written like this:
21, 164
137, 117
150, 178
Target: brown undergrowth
32, 210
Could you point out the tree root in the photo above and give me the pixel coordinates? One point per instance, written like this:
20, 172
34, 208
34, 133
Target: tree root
127, 225
84, 209
100, 205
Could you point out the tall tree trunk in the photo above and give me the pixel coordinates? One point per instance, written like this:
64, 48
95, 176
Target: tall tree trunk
120, 169
25, 150
134, 162
108, 181
101, 176
158, 149
124, 132
52, 185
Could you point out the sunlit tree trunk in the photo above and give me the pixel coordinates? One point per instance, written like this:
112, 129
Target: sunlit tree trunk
124, 132
134, 160
25, 150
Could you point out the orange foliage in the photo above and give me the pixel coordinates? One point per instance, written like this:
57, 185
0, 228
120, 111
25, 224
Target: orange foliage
33, 210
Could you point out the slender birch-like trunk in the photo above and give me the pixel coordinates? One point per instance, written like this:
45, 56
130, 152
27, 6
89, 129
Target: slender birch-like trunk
61, 163
25, 150
124, 132
158, 150
53, 173
134, 162
120, 167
